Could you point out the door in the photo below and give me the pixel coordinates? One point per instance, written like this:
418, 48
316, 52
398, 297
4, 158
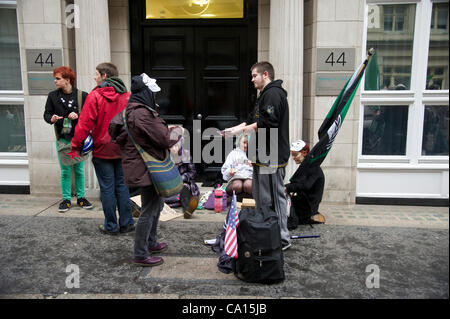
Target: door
203, 72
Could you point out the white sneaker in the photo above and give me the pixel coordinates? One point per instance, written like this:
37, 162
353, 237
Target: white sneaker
209, 242
285, 247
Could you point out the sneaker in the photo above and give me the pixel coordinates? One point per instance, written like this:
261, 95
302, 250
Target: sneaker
158, 248
286, 246
107, 232
149, 261
84, 203
64, 206
127, 229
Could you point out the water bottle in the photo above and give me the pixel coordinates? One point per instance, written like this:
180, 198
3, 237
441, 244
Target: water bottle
218, 194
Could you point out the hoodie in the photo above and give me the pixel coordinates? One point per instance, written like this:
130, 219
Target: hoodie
272, 112
102, 104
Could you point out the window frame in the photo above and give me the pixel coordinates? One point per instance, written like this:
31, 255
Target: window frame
14, 97
416, 97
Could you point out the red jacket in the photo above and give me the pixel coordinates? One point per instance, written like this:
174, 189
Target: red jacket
101, 105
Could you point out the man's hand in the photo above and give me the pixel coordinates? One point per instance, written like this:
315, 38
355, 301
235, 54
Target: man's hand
73, 116
55, 118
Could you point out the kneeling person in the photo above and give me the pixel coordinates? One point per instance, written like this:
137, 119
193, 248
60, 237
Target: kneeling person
306, 189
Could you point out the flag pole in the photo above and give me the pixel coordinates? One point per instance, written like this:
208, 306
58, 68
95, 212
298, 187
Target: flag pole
370, 53
359, 73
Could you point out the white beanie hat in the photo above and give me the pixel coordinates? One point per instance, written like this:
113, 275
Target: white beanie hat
297, 146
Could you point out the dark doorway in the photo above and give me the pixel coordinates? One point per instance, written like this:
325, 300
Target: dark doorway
202, 67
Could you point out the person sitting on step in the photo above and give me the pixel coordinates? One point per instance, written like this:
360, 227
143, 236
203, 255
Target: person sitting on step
237, 170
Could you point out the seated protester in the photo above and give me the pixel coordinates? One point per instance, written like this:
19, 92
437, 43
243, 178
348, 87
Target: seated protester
306, 189
238, 171
189, 195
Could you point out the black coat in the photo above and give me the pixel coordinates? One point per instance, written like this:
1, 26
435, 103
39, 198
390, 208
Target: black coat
150, 131
308, 184
54, 106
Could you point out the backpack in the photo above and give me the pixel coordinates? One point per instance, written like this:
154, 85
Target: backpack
209, 204
260, 257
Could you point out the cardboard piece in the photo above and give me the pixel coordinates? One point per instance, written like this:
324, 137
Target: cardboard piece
167, 213
248, 202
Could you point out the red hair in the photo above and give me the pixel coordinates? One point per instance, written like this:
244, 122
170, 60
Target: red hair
66, 73
306, 148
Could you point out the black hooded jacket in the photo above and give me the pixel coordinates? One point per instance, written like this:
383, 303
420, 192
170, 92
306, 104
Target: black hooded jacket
272, 111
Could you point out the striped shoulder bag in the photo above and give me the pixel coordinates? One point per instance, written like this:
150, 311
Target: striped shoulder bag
164, 174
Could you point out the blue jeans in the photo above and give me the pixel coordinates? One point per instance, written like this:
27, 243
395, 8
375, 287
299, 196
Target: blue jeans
113, 193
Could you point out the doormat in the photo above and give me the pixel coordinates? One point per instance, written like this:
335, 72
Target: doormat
167, 213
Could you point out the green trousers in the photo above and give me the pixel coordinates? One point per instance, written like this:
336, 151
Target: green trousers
66, 172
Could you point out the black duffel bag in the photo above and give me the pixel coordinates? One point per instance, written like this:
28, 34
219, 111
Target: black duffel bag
260, 258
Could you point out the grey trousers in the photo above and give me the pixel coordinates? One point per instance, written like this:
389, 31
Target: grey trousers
146, 228
261, 193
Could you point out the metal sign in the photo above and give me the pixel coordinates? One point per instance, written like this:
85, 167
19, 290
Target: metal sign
40, 83
331, 83
43, 59
335, 59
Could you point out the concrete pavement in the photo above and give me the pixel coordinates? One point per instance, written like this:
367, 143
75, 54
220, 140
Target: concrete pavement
365, 251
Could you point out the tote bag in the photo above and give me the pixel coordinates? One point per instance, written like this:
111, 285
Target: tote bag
164, 174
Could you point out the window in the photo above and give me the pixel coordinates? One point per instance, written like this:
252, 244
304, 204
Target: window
394, 51
439, 17
403, 122
437, 72
435, 130
195, 9
12, 119
10, 75
394, 17
385, 130
12, 129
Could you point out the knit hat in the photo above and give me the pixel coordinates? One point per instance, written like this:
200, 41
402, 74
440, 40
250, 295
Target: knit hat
297, 146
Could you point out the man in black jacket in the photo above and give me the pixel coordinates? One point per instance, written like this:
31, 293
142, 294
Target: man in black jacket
306, 189
270, 119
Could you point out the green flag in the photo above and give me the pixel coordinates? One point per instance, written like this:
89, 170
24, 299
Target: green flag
372, 79
334, 119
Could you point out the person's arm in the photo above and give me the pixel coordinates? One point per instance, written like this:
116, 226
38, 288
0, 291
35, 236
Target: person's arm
148, 129
49, 114
242, 128
227, 166
86, 122
305, 183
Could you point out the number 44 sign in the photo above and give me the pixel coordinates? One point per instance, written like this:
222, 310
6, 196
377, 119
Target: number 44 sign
335, 59
43, 59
